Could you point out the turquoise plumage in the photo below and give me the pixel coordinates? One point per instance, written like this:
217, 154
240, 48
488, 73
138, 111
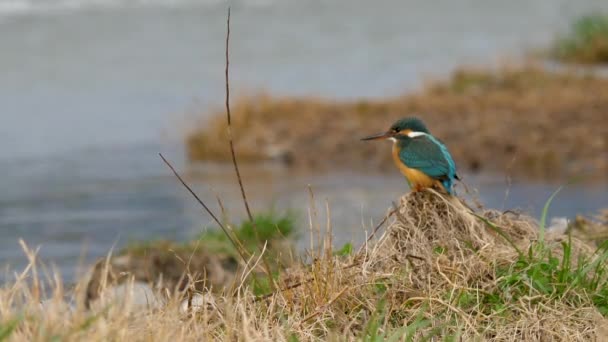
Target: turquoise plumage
429, 155
423, 159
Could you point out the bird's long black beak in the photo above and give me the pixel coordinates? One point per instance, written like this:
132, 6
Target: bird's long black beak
383, 135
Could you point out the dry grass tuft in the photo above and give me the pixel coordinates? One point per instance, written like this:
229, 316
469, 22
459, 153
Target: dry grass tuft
439, 271
441, 232
594, 230
535, 122
587, 41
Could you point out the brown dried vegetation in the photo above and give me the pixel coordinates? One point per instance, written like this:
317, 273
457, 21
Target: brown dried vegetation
438, 271
535, 123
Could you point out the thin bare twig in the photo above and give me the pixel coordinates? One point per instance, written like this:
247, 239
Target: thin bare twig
229, 117
233, 154
219, 223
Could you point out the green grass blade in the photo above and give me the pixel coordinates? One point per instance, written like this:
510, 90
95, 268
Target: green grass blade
582, 273
7, 329
418, 324
564, 271
543, 216
397, 335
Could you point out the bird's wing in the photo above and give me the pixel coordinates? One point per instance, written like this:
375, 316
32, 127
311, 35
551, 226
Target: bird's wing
430, 156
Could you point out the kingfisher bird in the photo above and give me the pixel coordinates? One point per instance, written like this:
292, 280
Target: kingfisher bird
422, 159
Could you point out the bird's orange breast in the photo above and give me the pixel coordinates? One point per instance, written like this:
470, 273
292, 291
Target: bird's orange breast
417, 179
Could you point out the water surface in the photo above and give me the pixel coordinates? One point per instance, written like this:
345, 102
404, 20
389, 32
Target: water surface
92, 90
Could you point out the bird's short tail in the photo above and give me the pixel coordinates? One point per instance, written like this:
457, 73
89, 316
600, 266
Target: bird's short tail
447, 185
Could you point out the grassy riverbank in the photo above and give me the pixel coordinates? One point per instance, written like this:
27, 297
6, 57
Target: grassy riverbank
437, 271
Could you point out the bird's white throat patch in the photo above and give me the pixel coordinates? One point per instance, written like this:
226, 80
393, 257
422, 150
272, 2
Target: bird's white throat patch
393, 139
415, 134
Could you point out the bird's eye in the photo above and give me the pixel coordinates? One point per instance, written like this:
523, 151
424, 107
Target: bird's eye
396, 130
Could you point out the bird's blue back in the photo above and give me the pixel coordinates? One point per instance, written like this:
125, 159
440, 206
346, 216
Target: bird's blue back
429, 155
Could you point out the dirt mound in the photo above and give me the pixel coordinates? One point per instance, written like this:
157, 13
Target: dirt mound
466, 275
165, 265
441, 236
